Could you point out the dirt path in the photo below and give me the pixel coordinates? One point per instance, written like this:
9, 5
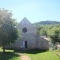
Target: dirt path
24, 57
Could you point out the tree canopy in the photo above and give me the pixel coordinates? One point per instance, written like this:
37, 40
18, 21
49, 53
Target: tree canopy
52, 31
8, 29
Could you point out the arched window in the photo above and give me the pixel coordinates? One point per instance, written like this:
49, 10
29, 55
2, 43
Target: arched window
24, 30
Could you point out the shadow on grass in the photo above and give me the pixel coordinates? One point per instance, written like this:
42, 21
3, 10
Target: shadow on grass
8, 56
32, 51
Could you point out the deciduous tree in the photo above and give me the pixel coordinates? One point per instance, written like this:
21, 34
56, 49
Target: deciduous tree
8, 29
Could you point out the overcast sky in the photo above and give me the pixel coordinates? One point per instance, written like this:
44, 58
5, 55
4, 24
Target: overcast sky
33, 10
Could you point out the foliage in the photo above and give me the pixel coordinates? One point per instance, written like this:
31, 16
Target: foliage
8, 29
52, 31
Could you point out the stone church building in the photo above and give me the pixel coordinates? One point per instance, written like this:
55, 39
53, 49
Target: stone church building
29, 38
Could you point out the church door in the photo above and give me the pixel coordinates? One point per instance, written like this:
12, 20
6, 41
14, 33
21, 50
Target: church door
25, 44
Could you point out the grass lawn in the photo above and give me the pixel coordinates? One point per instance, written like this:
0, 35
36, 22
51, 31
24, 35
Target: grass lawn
33, 54
9, 55
39, 55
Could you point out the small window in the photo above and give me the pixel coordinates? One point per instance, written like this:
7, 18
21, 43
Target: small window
24, 30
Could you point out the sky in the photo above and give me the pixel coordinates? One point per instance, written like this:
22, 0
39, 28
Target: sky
33, 10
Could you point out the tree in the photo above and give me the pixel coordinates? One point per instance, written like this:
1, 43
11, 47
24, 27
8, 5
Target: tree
54, 34
8, 29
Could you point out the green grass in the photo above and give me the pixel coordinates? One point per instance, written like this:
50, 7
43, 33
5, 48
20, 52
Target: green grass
9, 55
35, 54
39, 55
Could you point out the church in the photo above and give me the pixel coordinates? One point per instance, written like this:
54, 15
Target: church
29, 38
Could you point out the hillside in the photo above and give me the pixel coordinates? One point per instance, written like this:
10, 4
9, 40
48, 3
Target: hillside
47, 22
